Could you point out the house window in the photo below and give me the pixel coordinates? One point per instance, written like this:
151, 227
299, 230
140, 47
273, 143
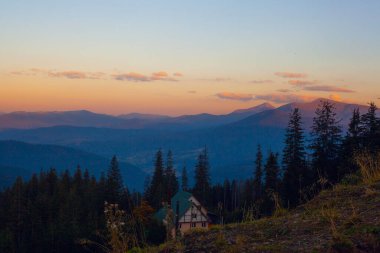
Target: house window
193, 225
203, 224
193, 215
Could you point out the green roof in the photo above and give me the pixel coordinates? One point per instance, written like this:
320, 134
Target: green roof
184, 204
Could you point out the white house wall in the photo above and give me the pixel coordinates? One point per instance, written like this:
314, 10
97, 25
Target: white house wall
188, 216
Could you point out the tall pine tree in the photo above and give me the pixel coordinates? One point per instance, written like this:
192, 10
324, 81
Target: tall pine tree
326, 140
294, 162
170, 178
258, 178
184, 179
156, 192
271, 185
202, 178
351, 144
114, 183
370, 129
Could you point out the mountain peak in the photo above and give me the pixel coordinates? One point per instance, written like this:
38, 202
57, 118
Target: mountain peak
256, 109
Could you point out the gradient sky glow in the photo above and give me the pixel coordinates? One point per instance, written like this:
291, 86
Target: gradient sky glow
183, 57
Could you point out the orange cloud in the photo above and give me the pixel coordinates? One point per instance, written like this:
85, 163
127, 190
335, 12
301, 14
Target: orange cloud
17, 72
328, 88
75, 74
132, 76
290, 75
336, 97
178, 74
217, 79
284, 90
261, 81
29, 72
137, 77
234, 96
69, 74
301, 82
162, 75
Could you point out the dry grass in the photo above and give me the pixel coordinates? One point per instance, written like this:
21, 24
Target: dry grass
279, 210
369, 165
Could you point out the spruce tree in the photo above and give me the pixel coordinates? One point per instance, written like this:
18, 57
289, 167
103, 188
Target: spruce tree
170, 178
248, 193
114, 182
293, 162
202, 178
185, 179
78, 181
326, 140
271, 185
258, 181
351, 144
234, 195
354, 129
156, 192
271, 173
227, 205
370, 129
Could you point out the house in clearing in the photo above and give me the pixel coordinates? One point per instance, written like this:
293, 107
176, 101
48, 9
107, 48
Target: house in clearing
188, 213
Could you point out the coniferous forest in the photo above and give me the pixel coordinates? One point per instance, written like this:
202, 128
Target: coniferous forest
77, 212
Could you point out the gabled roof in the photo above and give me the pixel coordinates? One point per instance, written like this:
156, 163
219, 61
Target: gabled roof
184, 204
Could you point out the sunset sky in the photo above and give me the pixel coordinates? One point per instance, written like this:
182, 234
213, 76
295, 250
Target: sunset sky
184, 57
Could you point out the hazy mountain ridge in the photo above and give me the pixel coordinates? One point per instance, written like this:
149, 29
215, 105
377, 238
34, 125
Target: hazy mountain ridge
279, 117
84, 118
143, 116
27, 120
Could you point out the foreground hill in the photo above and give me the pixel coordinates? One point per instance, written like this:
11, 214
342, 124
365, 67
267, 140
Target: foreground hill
345, 219
24, 159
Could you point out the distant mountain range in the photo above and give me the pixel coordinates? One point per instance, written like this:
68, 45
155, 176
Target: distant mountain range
27, 120
280, 116
143, 116
83, 118
231, 139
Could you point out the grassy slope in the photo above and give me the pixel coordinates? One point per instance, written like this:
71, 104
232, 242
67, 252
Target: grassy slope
345, 219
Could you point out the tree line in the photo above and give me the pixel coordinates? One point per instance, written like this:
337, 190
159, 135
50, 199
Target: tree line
65, 212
